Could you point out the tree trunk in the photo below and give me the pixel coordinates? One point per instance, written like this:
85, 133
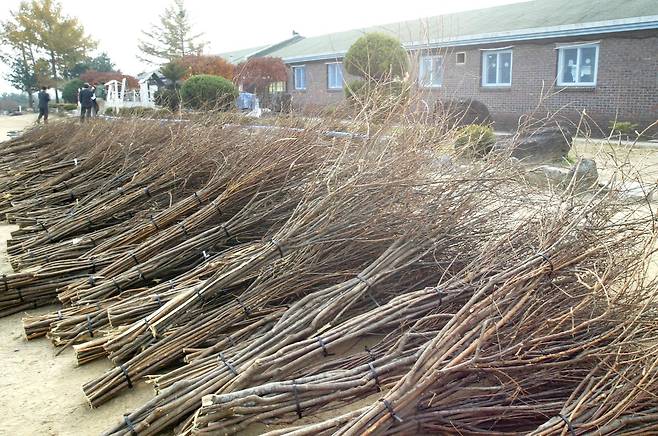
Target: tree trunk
30, 97
54, 72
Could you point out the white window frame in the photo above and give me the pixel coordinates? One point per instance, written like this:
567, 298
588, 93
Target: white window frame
457, 58
484, 68
433, 71
560, 63
340, 68
294, 77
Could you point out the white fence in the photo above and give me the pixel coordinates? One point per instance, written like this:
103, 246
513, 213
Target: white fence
117, 97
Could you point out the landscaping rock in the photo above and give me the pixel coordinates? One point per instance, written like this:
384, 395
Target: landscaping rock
548, 175
636, 192
462, 112
584, 172
548, 144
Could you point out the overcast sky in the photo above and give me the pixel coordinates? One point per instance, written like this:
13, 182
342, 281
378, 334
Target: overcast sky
232, 25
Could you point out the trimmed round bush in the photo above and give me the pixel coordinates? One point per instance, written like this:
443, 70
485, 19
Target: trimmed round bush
356, 90
70, 90
376, 56
475, 140
208, 92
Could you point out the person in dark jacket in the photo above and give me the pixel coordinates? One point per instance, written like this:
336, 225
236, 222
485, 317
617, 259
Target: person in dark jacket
94, 107
44, 99
86, 98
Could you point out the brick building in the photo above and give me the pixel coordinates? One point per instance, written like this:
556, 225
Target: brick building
541, 56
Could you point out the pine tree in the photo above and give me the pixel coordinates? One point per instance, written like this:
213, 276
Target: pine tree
172, 38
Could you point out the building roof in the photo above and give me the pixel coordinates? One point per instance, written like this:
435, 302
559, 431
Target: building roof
238, 56
529, 20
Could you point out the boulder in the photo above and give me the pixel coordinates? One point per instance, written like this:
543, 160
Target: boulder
584, 175
547, 144
462, 112
548, 175
584, 172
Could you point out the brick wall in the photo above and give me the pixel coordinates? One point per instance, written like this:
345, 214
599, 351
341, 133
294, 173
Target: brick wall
627, 82
317, 94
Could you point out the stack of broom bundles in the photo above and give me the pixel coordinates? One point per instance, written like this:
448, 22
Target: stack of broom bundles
270, 276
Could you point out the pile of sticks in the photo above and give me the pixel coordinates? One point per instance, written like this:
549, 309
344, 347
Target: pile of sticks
268, 276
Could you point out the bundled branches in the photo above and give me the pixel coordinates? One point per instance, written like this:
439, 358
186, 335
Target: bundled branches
267, 276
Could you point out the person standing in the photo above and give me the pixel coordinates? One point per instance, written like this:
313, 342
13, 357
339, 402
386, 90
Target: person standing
44, 99
94, 107
86, 98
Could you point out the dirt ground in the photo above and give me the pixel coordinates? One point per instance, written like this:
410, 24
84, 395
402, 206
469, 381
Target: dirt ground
8, 124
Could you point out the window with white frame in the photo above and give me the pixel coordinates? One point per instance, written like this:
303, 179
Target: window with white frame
430, 73
577, 65
335, 75
497, 68
299, 77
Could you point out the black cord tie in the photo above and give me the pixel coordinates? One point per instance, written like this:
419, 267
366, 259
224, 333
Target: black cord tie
4, 281
441, 294
72, 195
295, 392
547, 259
154, 223
245, 309
93, 265
47, 258
370, 355
126, 375
158, 300
278, 246
90, 325
171, 284
91, 280
89, 223
223, 227
146, 323
141, 275
569, 426
364, 281
93, 241
147, 192
227, 364
198, 199
130, 425
231, 340
375, 376
134, 258
199, 294
182, 226
219, 211
324, 347
390, 410
20, 294
66, 185
116, 285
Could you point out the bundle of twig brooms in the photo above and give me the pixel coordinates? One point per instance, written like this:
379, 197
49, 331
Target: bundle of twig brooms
267, 277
